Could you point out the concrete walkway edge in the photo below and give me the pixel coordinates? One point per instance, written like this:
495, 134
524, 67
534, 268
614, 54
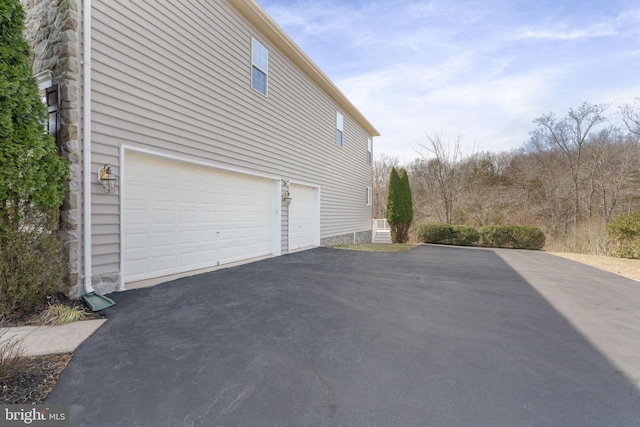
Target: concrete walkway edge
41, 340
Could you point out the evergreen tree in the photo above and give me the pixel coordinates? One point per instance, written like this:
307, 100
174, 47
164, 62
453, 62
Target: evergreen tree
399, 206
407, 201
32, 175
32, 178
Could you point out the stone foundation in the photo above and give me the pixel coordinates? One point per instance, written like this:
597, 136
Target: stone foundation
347, 239
52, 31
105, 284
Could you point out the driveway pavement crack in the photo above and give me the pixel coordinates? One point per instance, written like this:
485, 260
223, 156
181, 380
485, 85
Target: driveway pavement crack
329, 393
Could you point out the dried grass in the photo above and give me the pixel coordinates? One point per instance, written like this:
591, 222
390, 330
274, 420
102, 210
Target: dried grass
629, 268
59, 314
11, 350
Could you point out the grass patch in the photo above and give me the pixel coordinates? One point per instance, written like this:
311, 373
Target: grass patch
378, 247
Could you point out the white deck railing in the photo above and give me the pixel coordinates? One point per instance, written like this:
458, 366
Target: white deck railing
380, 225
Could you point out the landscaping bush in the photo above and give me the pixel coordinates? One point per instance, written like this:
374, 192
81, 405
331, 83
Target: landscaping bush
460, 235
32, 178
399, 206
625, 233
30, 270
512, 236
494, 236
434, 233
464, 235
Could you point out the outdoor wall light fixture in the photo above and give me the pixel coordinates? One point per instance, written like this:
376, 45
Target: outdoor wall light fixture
286, 196
107, 179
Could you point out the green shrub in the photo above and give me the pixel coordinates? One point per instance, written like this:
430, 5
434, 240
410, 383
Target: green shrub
32, 177
625, 233
30, 271
494, 236
434, 233
460, 235
464, 235
512, 236
399, 206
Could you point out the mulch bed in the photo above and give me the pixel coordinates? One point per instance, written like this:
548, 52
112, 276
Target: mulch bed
34, 377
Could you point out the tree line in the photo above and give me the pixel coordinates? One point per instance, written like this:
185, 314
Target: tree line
573, 176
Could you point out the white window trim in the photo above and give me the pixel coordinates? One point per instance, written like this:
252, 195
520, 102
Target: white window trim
369, 196
255, 42
369, 150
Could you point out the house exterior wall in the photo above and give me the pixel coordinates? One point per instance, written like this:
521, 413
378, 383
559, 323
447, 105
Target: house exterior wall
174, 78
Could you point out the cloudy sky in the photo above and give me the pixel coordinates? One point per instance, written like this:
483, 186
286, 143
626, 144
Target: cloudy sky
481, 69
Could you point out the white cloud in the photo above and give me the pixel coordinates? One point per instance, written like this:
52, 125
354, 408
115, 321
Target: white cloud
598, 30
484, 70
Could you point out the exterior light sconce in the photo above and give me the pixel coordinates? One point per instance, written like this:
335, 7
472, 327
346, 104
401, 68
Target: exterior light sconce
286, 196
107, 179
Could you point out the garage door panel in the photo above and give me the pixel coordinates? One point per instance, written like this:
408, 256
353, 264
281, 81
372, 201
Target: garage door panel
163, 216
180, 217
187, 196
161, 238
163, 194
137, 217
186, 217
137, 241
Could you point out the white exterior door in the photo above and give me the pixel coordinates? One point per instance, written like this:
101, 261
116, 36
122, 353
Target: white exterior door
179, 217
302, 217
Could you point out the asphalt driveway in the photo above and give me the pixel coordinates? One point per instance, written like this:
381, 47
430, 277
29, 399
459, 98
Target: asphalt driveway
438, 336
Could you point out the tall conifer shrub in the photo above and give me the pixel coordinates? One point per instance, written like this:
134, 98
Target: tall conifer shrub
399, 206
32, 177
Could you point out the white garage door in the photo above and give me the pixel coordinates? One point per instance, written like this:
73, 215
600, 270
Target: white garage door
301, 217
180, 217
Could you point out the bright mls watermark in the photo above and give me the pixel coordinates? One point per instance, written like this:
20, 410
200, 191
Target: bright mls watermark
34, 415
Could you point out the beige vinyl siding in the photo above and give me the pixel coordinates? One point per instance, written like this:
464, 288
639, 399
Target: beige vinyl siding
174, 77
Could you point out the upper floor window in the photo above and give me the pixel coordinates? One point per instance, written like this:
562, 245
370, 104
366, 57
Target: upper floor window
339, 128
369, 150
259, 67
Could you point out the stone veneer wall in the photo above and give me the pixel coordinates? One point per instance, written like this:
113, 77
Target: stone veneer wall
53, 32
348, 239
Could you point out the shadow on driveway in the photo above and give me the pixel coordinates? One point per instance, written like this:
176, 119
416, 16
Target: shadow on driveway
437, 336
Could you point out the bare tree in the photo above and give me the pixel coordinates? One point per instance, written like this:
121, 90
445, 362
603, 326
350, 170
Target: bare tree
486, 197
615, 158
631, 117
569, 135
542, 191
442, 173
382, 166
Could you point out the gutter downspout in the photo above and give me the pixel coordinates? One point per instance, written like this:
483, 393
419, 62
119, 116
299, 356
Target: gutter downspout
86, 142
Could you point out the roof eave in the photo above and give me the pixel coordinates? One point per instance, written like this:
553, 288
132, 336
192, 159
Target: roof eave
271, 30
